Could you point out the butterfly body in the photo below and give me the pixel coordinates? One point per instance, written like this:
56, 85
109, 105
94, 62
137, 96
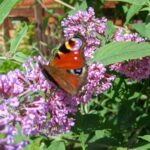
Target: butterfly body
68, 69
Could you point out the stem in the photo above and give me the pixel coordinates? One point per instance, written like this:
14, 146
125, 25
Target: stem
117, 89
132, 139
65, 4
24, 93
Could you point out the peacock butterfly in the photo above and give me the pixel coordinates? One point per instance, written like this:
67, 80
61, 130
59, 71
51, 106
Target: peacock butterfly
68, 69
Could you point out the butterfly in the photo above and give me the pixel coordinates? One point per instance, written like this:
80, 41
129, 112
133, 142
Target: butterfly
68, 69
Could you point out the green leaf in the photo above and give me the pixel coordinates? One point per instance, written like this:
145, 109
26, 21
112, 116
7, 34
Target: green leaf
7, 65
145, 137
121, 148
5, 8
148, 16
83, 138
139, 27
17, 39
140, 2
82, 122
132, 11
144, 147
32, 95
78, 7
99, 134
120, 51
110, 30
57, 145
36, 144
142, 28
19, 137
2, 59
20, 57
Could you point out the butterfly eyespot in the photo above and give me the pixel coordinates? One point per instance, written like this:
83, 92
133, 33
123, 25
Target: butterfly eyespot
76, 71
74, 44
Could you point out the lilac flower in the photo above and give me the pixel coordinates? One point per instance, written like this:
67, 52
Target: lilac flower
39, 106
86, 24
35, 114
134, 69
98, 81
7, 128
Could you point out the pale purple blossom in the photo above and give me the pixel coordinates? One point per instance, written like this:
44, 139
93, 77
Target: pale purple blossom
46, 113
39, 106
98, 81
86, 24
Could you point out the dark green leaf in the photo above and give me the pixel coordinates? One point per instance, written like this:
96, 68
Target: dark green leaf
145, 137
82, 122
144, 147
148, 17
140, 2
99, 134
120, 51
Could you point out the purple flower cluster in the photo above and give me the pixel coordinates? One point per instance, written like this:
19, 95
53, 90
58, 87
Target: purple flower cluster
38, 106
8, 121
28, 99
98, 81
134, 69
86, 24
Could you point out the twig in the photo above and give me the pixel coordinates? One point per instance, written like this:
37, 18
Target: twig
65, 4
132, 139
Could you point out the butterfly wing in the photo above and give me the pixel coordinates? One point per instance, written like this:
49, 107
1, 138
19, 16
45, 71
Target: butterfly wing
70, 60
68, 69
69, 82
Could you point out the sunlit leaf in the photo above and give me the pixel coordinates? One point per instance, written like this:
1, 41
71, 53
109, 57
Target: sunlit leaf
142, 28
145, 137
17, 39
57, 145
144, 147
132, 11
5, 8
20, 57
120, 51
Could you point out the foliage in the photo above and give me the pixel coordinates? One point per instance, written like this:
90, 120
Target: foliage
117, 119
120, 51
